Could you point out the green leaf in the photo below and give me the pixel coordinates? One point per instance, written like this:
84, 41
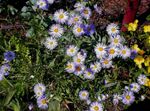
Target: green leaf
9, 97
54, 106
148, 18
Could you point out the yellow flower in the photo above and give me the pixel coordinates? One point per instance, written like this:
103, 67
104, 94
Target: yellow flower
147, 61
146, 28
148, 69
133, 26
135, 47
147, 82
139, 60
141, 52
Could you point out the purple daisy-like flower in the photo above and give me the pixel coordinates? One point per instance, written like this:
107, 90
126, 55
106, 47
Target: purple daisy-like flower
42, 102
42, 4
4, 69
9, 56
79, 69
89, 29
89, 74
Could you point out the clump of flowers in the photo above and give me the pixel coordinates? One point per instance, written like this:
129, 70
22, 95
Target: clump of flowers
39, 90
5, 68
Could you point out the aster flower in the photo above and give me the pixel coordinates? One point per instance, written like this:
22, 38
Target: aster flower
70, 67
42, 4
39, 89
61, 16
96, 106
106, 62
124, 52
141, 79
89, 74
79, 69
135, 87
128, 98
100, 50
4, 69
79, 6
112, 29
96, 67
42, 102
9, 56
79, 59
86, 13
56, 30
84, 95
78, 30
89, 29
116, 40
116, 99
82, 53
112, 51
74, 19
50, 43
72, 50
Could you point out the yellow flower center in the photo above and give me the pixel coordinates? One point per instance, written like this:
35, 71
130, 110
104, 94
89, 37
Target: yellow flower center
95, 67
123, 51
113, 29
78, 60
79, 29
39, 94
128, 97
56, 30
116, 41
41, 4
76, 19
88, 73
71, 50
43, 101
61, 16
106, 61
86, 11
40, 88
111, 51
50, 43
100, 49
96, 108
83, 94
69, 66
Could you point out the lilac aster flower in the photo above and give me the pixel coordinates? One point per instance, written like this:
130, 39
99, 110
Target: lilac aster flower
128, 98
42, 4
89, 74
42, 102
89, 29
9, 56
4, 69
